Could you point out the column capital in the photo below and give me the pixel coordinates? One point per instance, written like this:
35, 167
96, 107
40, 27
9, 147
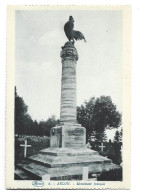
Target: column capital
69, 52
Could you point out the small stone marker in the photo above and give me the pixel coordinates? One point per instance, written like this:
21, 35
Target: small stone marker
89, 145
25, 147
46, 177
85, 173
102, 146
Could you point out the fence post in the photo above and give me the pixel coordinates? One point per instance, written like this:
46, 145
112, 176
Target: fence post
85, 173
46, 177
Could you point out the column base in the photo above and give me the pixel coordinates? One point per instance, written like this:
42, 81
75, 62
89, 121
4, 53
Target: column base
68, 136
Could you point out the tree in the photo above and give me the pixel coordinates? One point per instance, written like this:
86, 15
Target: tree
85, 116
35, 128
45, 126
106, 114
102, 136
118, 136
98, 114
23, 121
51, 122
24, 125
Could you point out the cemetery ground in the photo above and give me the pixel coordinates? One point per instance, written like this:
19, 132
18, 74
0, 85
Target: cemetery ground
37, 143
106, 149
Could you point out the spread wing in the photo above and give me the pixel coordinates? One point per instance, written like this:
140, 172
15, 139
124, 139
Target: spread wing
78, 35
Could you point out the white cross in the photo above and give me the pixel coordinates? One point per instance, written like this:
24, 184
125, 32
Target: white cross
102, 146
25, 147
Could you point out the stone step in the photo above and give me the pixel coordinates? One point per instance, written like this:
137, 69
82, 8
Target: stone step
68, 152
37, 171
31, 169
60, 161
21, 175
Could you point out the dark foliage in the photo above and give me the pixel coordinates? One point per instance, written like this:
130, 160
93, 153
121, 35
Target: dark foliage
112, 175
24, 125
23, 121
110, 150
118, 136
98, 114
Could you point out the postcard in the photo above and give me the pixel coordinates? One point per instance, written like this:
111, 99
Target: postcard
68, 97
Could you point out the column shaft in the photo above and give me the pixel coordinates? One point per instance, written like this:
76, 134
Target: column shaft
68, 86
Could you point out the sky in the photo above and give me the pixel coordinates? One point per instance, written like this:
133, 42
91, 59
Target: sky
39, 36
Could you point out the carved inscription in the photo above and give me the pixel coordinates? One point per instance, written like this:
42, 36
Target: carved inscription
74, 137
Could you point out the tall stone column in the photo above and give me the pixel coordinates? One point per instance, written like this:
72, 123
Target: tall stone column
69, 134
69, 57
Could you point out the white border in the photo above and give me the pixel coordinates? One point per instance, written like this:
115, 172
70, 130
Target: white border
136, 80
126, 33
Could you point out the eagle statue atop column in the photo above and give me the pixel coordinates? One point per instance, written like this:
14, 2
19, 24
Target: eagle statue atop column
72, 34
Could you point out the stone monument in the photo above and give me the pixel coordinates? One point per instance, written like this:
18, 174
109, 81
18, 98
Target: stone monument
69, 134
68, 157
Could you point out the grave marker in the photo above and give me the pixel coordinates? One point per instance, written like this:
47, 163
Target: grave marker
102, 146
25, 147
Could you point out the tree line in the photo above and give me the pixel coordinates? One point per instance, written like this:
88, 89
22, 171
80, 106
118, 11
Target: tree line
96, 115
24, 125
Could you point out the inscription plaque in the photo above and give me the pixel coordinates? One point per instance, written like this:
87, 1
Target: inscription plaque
74, 137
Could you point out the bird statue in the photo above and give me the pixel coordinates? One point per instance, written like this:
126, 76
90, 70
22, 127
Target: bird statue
72, 34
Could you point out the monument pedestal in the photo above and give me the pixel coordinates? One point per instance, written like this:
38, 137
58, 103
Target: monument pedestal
68, 136
63, 164
65, 159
